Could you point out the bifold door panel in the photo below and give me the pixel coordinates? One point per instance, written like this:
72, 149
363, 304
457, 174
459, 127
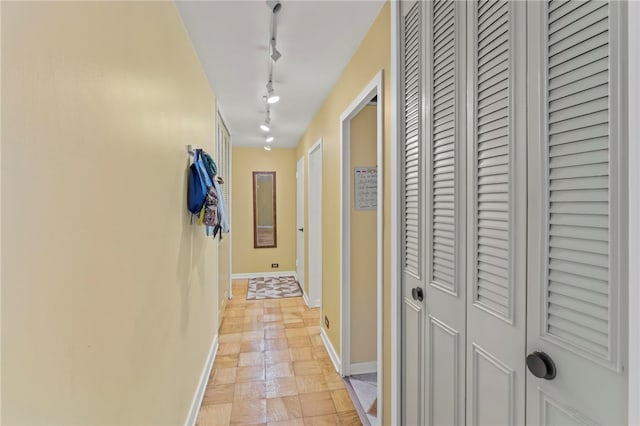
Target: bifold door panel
576, 226
496, 244
445, 211
413, 228
513, 223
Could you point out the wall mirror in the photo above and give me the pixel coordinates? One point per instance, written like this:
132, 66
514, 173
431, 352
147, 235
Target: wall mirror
264, 210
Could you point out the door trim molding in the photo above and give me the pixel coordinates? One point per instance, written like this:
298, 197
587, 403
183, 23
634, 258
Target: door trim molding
633, 86
373, 88
317, 302
396, 230
304, 239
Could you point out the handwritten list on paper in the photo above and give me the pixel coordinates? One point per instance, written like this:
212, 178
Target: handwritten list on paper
366, 188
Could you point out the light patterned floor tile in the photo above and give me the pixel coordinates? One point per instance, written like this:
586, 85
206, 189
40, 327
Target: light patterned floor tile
285, 408
272, 368
252, 412
285, 386
250, 390
214, 415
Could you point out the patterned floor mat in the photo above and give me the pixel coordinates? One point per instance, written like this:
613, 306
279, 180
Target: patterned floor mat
273, 288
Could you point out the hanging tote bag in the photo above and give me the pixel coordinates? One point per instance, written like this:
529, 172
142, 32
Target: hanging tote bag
198, 184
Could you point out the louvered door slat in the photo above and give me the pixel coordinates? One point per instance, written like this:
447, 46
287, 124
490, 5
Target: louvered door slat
492, 153
443, 168
578, 117
412, 169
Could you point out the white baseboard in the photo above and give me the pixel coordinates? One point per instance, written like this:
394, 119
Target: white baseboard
335, 359
363, 367
306, 299
192, 416
315, 304
262, 274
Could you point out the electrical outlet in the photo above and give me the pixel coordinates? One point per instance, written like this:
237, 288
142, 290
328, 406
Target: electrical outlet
274, 265
326, 321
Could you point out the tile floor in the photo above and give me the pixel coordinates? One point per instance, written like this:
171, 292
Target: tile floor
272, 368
365, 387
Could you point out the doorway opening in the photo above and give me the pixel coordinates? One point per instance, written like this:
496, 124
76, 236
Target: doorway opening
361, 255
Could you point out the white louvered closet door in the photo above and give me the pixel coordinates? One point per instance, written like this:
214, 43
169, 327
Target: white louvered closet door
445, 211
496, 251
576, 306
413, 267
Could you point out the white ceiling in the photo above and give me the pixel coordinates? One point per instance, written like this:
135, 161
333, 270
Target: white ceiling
316, 39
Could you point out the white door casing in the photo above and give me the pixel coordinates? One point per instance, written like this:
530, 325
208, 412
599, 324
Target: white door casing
413, 232
314, 235
300, 223
577, 220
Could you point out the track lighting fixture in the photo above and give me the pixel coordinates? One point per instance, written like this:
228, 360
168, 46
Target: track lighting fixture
267, 120
275, 53
275, 6
272, 98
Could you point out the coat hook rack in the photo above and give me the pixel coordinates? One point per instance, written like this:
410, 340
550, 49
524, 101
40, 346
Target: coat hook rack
190, 150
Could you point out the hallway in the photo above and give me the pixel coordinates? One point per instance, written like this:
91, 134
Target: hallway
272, 368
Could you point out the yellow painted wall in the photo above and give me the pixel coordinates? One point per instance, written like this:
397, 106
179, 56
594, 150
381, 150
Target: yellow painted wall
363, 244
108, 291
247, 259
372, 56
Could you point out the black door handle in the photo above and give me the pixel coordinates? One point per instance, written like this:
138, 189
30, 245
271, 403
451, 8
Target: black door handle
417, 294
301, 229
541, 365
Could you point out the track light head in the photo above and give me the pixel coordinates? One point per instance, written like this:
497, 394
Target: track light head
273, 98
275, 6
269, 139
275, 54
267, 148
264, 127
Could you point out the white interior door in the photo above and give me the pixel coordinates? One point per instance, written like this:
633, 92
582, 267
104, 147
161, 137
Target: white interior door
577, 236
497, 250
315, 224
300, 222
413, 237
445, 214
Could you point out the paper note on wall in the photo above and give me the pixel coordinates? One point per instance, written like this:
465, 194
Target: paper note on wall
366, 188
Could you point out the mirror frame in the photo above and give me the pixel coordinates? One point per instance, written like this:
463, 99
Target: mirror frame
255, 221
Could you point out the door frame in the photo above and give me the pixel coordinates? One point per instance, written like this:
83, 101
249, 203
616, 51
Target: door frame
374, 88
301, 204
221, 120
633, 86
395, 198
316, 146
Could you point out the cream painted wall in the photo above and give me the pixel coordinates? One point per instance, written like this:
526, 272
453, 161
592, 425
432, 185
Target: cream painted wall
108, 292
245, 258
363, 248
373, 55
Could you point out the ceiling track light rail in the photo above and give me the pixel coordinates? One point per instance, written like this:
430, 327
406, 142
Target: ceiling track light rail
274, 55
